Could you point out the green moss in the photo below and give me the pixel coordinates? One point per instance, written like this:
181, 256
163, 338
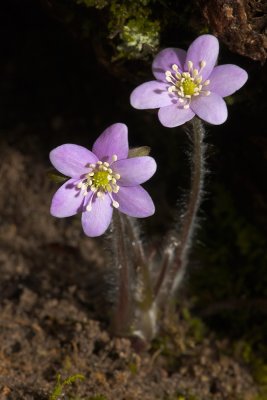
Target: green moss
60, 385
137, 30
196, 327
184, 396
93, 3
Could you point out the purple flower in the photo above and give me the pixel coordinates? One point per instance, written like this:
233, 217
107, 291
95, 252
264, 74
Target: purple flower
102, 179
189, 84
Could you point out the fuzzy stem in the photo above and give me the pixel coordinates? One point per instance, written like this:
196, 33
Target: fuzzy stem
177, 247
136, 242
122, 313
188, 223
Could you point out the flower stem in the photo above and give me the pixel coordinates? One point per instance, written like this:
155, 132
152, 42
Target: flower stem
123, 306
188, 222
178, 243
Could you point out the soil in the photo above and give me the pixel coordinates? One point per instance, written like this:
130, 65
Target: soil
53, 319
53, 314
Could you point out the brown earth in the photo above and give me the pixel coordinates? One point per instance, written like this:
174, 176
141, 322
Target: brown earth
51, 280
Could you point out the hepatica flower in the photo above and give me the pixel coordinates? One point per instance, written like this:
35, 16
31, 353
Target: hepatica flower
189, 84
101, 180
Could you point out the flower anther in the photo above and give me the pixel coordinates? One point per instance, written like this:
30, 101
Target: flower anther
187, 84
100, 180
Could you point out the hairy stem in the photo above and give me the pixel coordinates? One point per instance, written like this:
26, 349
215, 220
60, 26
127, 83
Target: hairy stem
188, 223
123, 307
178, 243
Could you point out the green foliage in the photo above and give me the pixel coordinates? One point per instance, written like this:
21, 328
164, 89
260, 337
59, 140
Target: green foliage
180, 396
257, 365
57, 392
56, 177
130, 25
196, 327
137, 30
93, 3
139, 151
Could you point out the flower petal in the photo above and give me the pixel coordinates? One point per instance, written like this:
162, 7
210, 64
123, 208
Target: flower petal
204, 48
96, 221
174, 115
134, 171
134, 201
227, 79
71, 159
67, 201
210, 108
165, 59
151, 94
114, 140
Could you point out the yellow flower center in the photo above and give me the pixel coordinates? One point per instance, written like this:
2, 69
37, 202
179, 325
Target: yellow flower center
186, 85
100, 180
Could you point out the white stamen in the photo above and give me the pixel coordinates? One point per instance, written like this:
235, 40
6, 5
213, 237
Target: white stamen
89, 207
117, 176
186, 106
175, 67
190, 65
115, 204
203, 64
106, 164
206, 83
114, 157
99, 162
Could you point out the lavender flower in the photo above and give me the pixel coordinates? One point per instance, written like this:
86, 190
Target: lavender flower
189, 84
102, 179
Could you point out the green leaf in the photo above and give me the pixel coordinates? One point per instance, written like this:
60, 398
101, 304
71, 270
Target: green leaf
139, 151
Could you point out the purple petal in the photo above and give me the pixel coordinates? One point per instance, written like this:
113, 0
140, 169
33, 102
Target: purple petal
204, 48
67, 201
134, 201
210, 108
134, 171
151, 94
114, 140
165, 59
227, 79
71, 159
174, 115
96, 221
